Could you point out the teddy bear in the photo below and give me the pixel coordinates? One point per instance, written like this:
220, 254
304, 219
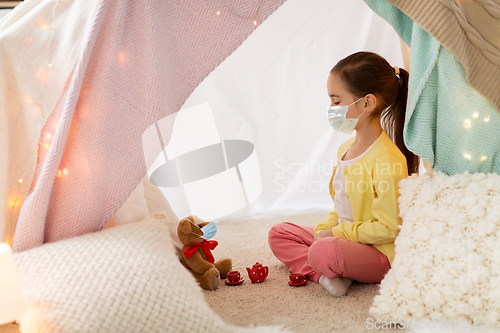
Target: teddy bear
196, 255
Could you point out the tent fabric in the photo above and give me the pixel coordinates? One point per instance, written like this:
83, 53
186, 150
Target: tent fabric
30, 89
447, 123
272, 92
269, 91
468, 29
140, 61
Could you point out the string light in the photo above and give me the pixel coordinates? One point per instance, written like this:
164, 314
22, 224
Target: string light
122, 58
62, 172
43, 75
467, 156
467, 123
14, 201
47, 136
486, 119
218, 12
483, 158
475, 115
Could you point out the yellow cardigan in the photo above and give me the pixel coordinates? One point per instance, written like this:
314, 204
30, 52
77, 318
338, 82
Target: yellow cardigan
371, 185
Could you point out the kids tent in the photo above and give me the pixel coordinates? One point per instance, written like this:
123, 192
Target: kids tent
92, 92
270, 88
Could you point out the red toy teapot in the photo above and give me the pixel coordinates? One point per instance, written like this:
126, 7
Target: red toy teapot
258, 273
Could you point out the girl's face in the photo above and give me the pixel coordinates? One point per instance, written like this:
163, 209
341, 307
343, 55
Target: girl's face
340, 96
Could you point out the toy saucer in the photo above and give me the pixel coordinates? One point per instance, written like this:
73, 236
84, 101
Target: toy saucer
235, 283
297, 284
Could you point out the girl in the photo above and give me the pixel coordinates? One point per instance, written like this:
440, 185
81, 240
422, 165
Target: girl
356, 241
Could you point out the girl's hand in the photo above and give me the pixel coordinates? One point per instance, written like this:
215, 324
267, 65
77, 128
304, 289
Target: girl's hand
324, 233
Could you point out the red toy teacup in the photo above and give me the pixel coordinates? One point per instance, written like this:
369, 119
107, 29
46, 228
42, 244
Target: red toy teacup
233, 276
296, 278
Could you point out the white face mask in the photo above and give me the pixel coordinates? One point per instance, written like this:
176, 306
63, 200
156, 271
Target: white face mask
336, 117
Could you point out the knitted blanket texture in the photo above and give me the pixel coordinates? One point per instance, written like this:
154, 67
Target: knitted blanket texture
123, 279
470, 30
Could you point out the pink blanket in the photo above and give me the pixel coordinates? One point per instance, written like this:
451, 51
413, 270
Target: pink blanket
142, 60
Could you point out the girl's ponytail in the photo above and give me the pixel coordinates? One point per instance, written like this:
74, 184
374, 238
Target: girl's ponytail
393, 121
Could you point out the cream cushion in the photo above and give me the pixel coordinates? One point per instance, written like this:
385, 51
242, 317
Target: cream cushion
447, 263
123, 279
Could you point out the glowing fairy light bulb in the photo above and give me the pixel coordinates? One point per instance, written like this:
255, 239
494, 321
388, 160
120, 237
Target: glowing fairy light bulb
475, 115
45, 27
218, 12
48, 136
122, 58
59, 173
467, 156
467, 123
254, 22
65, 171
50, 65
20, 180
483, 158
486, 119
46, 146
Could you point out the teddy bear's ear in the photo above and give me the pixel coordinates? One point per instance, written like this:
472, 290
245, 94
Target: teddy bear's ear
197, 220
185, 226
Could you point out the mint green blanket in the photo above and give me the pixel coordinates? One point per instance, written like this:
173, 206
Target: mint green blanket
448, 123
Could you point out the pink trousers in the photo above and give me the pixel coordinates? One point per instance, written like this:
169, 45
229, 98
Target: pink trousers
332, 257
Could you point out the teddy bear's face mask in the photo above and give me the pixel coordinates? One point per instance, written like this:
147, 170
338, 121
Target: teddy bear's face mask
209, 231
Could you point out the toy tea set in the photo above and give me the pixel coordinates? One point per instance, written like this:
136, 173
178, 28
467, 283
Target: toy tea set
194, 233
257, 274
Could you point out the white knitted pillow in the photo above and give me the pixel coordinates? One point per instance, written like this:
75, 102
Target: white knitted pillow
447, 263
124, 279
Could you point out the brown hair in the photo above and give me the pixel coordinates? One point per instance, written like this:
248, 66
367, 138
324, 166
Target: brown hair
364, 73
